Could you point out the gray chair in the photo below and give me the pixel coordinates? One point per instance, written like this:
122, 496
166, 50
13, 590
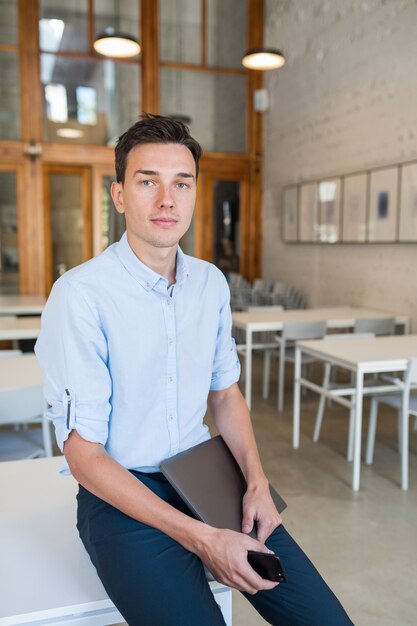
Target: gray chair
405, 404
285, 352
261, 290
383, 326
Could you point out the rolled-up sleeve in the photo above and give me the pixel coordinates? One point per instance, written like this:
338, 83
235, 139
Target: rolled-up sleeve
226, 366
73, 354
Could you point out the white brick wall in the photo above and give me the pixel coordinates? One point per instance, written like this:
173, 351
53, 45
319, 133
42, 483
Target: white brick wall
346, 100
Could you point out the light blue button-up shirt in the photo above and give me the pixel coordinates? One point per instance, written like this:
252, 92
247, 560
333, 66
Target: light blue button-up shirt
128, 361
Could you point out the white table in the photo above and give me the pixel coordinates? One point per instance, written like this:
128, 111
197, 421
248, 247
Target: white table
14, 328
20, 371
21, 305
361, 356
46, 575
335, 317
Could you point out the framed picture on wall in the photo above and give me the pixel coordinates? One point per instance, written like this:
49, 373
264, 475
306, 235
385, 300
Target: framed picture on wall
408, 203
382, 223
354, 207
329, 210
309, 212
290, 214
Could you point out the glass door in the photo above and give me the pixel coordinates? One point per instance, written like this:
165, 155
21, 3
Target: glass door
9, 230
220, 221
108, 224
68, 218
226, 225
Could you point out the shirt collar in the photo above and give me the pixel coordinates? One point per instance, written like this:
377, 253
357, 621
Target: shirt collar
141, 272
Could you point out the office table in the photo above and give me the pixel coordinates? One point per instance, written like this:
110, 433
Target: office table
361, 356
46, 575
335, 317
18, 373
14, 328
21, 305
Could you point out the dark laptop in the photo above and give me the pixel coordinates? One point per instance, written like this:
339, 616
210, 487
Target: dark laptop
211, 483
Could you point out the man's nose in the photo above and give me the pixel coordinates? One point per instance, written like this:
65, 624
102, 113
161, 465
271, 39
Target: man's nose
165, 199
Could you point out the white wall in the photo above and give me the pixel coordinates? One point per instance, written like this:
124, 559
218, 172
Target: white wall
346, 100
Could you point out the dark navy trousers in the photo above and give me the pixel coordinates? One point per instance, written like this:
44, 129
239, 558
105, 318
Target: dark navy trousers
154, 581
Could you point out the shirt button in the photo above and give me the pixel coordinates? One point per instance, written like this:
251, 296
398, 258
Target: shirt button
170, 379
170, 341
172, 417
168, 303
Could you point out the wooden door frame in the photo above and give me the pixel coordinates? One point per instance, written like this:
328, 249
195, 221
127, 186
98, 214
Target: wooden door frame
87, 247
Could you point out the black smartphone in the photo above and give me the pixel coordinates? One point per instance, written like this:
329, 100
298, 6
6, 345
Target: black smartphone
268, 566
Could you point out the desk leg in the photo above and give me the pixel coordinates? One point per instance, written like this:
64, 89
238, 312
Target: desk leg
357, 437
248, 366
297, 394
404, 440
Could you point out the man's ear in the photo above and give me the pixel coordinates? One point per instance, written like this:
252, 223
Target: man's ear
117, 195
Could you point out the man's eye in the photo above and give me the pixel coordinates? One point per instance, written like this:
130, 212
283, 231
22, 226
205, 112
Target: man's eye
182, 185
147, 183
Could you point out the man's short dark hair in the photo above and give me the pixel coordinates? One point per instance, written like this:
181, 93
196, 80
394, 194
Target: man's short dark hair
153, 129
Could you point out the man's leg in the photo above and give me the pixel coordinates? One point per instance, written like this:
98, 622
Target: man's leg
305, 600
151, 579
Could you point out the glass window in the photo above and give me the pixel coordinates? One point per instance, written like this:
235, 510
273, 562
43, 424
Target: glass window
9, 96
203, 101
9, 250
102, 99
180, 30
117, 15
86, 105
226, 32
8, 22
56, 103
63, 26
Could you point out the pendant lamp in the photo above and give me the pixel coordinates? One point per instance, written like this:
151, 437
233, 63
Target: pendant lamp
263, 59
117, 45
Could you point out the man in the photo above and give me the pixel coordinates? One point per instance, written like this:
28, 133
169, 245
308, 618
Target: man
134, 344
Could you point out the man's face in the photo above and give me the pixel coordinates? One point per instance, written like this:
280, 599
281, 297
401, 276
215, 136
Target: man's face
158, 195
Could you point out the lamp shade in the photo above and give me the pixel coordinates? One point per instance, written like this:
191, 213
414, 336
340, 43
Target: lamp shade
263, 59
116, 45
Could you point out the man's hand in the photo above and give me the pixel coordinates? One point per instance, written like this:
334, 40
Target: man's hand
258, 506
225, 553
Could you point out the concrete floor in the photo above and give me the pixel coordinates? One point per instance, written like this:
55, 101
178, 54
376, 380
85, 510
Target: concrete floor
364, 544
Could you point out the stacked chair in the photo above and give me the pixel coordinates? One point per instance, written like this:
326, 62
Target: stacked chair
263, 292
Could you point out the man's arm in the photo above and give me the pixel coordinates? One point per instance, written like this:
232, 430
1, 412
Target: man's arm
224, 552
232, 419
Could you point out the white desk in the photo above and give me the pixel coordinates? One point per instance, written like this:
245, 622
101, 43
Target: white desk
343, 317
360, 356
46, 575
23, 372
21, 305
14, 328
20, 371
